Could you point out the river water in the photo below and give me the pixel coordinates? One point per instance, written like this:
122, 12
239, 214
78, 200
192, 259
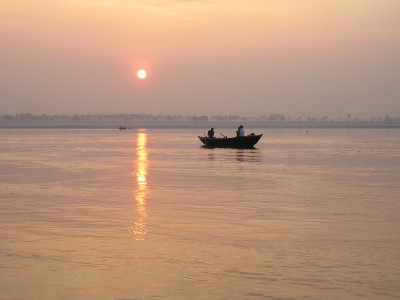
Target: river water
143, 214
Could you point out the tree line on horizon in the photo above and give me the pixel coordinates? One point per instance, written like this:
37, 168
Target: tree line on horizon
276, 117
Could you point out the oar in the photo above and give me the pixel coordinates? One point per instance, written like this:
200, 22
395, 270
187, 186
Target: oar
223, 135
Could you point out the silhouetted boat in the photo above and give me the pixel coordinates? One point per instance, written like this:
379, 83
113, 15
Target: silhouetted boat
231, 142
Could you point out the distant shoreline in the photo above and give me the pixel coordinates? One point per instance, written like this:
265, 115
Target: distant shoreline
134, 121
196, 125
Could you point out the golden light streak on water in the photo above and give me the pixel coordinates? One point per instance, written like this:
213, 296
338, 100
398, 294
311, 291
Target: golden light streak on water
141, 164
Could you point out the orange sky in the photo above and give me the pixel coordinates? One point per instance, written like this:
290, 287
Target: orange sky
310, 58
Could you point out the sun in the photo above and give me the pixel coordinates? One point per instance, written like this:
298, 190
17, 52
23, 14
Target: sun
142, 74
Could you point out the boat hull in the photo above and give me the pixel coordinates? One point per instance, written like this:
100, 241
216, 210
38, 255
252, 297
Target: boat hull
232, 142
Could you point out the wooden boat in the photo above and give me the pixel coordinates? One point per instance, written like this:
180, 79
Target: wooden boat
247, 141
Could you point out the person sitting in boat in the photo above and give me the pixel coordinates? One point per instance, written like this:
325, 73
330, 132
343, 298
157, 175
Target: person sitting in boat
211, 133
240, 131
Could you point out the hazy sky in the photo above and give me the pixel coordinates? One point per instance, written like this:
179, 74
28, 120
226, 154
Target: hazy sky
245, 57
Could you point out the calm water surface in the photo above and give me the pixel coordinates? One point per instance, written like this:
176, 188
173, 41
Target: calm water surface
142, 214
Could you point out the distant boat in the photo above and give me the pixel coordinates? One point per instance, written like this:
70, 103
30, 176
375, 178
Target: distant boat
231, 142
121, 127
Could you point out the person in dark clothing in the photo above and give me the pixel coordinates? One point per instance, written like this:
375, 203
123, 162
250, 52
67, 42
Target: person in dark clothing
211, 133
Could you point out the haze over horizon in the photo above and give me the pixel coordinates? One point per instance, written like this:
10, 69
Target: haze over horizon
248, 58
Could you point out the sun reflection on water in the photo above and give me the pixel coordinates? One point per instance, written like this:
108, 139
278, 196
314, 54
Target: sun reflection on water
141, 164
